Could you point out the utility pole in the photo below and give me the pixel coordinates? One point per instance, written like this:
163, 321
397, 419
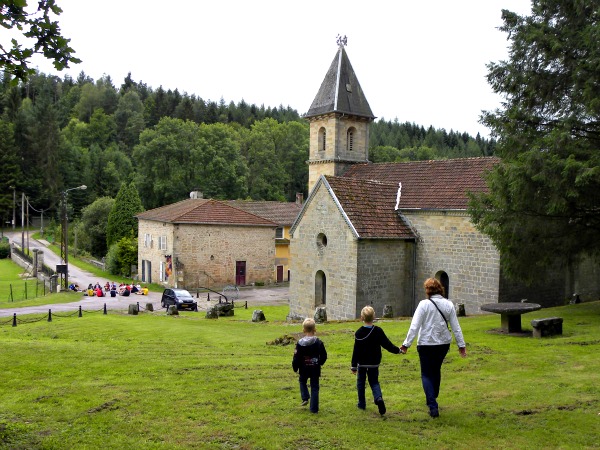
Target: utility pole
14, 206
23, 220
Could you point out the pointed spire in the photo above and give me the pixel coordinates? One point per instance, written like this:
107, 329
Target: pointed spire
340, 91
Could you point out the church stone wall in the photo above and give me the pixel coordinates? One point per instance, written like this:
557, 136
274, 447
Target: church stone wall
384, 276
337, 260
449, 243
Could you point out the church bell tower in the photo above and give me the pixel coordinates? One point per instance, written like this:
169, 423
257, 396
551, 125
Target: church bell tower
339, 121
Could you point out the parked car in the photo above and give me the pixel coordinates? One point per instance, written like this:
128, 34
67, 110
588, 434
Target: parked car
178, 297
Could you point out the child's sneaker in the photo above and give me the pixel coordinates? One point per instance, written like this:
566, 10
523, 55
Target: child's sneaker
381, 405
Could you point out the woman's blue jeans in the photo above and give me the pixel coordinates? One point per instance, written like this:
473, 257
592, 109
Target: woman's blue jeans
431, 358
314, 390
372, 373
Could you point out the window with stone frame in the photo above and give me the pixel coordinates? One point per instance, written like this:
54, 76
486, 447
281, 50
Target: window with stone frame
350, 138
322, 139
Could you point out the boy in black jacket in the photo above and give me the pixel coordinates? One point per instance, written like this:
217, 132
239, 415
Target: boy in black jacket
309, 356
366, 358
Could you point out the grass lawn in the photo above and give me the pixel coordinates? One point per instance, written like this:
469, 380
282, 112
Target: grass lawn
161, 382
26, 292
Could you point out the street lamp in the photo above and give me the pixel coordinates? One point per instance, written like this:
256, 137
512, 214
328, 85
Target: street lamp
65, 235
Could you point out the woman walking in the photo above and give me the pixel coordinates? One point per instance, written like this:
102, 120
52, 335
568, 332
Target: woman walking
432, 320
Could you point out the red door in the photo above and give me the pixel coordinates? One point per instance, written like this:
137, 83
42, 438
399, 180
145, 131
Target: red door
280, 274
240, 273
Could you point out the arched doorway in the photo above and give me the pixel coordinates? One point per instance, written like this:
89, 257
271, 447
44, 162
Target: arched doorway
320, 288
445, 280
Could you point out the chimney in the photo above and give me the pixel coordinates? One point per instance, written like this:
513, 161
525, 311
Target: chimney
299, 198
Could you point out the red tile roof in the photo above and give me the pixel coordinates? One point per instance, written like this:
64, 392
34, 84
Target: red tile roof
204, 211
282, 213
370, 207
438, 184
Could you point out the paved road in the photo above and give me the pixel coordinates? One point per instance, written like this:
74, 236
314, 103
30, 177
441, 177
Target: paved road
276, 295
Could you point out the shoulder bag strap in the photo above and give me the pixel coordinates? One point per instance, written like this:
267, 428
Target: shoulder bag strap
443, 317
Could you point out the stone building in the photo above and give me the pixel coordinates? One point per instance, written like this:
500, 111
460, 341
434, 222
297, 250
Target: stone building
370, 234
283, 214
208, 243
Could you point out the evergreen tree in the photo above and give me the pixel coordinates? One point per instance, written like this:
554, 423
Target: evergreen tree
10, 172
543, 202
121, 220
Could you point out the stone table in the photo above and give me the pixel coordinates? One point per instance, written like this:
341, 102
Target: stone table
510, 313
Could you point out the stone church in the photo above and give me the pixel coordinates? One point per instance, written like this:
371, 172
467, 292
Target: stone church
370, 234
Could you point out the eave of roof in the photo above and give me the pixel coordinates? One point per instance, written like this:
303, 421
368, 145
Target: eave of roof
204, 211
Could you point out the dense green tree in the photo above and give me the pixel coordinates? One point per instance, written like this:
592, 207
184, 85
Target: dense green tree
164, 160
385, 135
122, 255
121, 220
543, 203
10, 173
185, 109
102, 129
180, 156
91, 228
219, 170
267, 178
129, 118
292, 148
384, 153
40, 34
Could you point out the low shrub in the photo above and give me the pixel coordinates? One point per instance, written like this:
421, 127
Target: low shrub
4, 250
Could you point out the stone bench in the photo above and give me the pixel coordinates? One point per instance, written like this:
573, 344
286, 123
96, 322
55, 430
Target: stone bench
547, 327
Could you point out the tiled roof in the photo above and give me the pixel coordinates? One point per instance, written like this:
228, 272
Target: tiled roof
438, 184
369, 205
282, 213
204, 211
340, 91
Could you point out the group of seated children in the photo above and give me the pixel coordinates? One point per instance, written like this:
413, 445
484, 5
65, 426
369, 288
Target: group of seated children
99, 291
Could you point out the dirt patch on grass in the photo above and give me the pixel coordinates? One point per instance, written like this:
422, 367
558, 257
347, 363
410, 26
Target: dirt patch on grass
107, 406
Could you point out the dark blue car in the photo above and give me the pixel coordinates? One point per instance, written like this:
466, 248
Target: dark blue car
180, 298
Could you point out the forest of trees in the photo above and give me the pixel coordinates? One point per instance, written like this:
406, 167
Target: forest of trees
56, 133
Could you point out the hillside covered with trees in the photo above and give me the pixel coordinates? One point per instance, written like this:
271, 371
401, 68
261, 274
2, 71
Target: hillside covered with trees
57, 133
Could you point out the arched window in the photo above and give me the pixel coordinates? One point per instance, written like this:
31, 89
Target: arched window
350, 138
443, 278
320, 288
322, 139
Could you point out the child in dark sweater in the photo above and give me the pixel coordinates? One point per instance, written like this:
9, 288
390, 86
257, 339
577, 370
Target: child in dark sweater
309, 356
366, 357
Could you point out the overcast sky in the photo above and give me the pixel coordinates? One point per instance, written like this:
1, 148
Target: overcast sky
420, 61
